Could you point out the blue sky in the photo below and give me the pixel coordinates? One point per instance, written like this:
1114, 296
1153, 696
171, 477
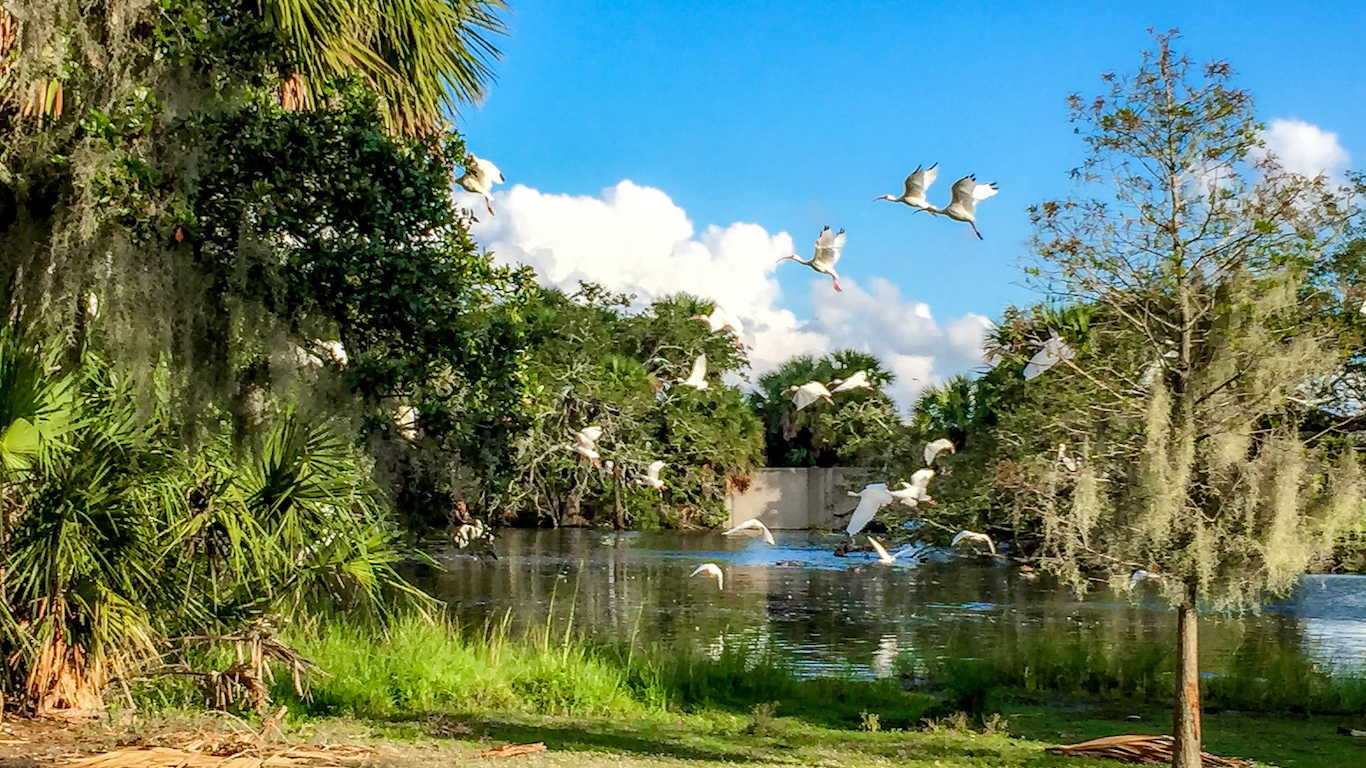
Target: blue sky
792, 115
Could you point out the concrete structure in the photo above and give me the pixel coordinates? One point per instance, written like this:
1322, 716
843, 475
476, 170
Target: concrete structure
795, 499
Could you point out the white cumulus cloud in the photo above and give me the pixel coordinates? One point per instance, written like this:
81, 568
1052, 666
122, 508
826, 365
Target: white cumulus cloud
1305, 148
635, 239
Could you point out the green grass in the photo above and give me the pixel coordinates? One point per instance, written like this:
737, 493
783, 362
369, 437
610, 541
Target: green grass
413, 666
437, 691
716, 739
1267, 677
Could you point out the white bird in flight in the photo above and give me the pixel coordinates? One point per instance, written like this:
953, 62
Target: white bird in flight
721, 321
827, 252
480, 181
966, 193
752, 524
652, 475
916, 184
883, 557
912, 493
808, 393
856, 380
586, 442
935, 447
1141, 575
973, 537
697, 379
711, 569
873, 497
1054, 351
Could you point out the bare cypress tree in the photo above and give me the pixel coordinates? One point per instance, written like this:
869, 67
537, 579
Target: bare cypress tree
1199, 249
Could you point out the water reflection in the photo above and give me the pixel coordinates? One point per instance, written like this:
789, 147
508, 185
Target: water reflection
827, 612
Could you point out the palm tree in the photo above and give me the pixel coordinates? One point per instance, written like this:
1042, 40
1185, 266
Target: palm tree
420, 56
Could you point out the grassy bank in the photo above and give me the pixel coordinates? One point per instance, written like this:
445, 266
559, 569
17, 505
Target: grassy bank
440, 690
413, 666
1261, 677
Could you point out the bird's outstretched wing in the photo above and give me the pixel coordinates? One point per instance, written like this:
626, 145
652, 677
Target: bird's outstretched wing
920, 180
934, 447
963, 192
857, 380
699, 369
652, 471
588, 435
920, 482
983, 191
871, 499
1054, 351
809, 393
828, 248
489, 171
880, 550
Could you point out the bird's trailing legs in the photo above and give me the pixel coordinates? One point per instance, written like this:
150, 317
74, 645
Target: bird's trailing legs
835, 282
488, 203
974, 229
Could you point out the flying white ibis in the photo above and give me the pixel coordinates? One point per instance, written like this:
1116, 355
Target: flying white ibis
856, 380
1141, 575
480, 179
1054, 351
973, 537
808, 393
873, 497
935, 447
697, 379
912, 493
966, 193
711, 569
753, 524
721, 321
586, 442
916, 184
827, 252
652, 475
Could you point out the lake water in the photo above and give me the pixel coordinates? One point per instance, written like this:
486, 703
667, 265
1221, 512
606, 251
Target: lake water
847, 614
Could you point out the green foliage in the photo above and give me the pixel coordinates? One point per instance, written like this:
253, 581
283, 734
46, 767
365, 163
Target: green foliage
594, 361
420, 56
1195, 254
862, 428
115, 538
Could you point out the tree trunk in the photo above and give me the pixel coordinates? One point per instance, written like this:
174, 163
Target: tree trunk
617, 506
1186, 715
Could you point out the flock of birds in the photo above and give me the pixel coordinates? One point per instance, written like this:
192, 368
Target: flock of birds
872, 499
966, 193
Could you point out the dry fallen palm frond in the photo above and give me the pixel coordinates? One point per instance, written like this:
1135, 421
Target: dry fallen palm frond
1131, 748
513, 750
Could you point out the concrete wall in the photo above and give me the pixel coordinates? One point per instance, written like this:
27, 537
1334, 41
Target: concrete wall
794, 499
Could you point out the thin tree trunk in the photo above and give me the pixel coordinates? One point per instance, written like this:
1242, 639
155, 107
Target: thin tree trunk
617, 506
1186, 715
